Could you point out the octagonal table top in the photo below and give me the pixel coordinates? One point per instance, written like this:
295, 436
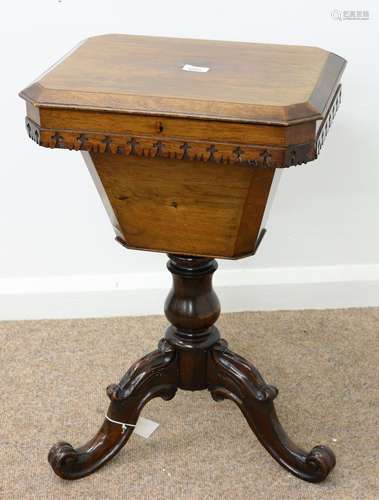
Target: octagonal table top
232, 81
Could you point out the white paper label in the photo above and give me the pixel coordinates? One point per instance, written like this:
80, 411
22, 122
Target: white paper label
197, 69
145, 427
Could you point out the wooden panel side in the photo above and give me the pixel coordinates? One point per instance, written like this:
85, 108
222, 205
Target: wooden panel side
100, 189
327, 83
177, 207
251, 155
165, 127
253, 210
33, 112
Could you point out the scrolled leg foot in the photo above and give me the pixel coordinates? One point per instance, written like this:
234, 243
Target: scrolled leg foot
322, 460
232, 377
60, 454
154, 375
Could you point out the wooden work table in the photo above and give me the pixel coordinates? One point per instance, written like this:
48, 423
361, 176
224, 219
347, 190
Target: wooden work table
184, 140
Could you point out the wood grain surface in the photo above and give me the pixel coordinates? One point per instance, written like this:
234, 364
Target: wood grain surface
272, 84
184, 160
178, 207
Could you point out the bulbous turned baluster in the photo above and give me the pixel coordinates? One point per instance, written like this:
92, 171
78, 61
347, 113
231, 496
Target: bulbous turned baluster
192, 307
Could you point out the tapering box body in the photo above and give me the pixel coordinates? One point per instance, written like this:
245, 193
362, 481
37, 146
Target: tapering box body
183, 137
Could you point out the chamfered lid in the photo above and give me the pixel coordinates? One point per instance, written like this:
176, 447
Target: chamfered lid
233, 81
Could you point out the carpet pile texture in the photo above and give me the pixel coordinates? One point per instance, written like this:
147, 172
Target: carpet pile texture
53, 376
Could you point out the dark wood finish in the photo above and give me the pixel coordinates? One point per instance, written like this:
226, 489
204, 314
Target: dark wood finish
191, 357
232, 377
184, 164
327, 121
152, 376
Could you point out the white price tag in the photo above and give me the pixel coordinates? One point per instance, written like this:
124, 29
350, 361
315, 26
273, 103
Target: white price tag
145, 427
197, 69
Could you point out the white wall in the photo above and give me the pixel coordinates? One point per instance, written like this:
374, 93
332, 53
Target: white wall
57, 253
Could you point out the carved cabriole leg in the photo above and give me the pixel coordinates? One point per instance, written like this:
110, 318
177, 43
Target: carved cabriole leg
232, 377
154, 375
191, 357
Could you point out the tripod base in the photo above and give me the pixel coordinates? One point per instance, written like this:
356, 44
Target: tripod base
191, 357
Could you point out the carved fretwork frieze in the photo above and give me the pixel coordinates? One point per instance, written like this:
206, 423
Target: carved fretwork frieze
188, 150
170, 148
298, 154
327, 121
33, 130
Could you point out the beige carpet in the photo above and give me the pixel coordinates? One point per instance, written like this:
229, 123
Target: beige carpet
53, 376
